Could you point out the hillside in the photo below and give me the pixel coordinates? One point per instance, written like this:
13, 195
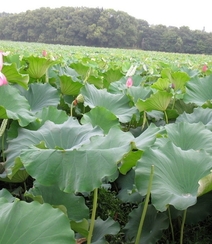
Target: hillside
100, 28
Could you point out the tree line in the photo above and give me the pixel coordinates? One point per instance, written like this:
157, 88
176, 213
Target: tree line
100, 28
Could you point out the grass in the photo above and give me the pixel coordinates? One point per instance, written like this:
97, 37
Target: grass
110, 205
200, 233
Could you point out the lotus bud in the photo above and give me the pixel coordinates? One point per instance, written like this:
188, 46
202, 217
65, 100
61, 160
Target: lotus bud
44, 53
80, 98
204, 68
129, 82
172, 86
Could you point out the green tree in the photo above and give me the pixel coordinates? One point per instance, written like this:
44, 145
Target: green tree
102, 28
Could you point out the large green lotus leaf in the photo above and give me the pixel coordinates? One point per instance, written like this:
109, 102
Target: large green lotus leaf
137, 93
12, 58
48, 113
205, 185
127, 192
118, 104
37, 66
62, 70
76, 168
176, 175
33, 222
19, 174
12, 131
191, 72
201, 210
80, 227
103, 228
182, 107
143, 141
198, 90
198, 115
148, 137
66, 135
196, 213
119, 87
101, 117
162, 84
156, 115
190, 136
160, 142
157, 101
69, 86
4, 193
178, 79
75, 205
111, 75
154, 224
80, 68
41, 95
96, 81
172, 114
87, 69
13, 76
129, 161
3, 200
166, 70
14, 106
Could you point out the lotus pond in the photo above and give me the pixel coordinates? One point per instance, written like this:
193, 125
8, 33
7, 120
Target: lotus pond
104, 145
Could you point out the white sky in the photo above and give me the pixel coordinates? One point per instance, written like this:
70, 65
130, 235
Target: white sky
195, 14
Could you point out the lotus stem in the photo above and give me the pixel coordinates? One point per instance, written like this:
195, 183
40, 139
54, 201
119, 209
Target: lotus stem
93, 216
2, 130
174, 100
145, 206
87, 75
47, 77
182, 226
3, 126
2, 146
166, 117
171, 225
71, 109
144, 120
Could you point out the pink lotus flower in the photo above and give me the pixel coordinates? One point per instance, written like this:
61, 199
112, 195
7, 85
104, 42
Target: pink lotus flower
129, 82
3, 79
44, 53
204, 68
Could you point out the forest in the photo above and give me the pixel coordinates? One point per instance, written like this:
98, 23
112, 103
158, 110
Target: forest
97, 27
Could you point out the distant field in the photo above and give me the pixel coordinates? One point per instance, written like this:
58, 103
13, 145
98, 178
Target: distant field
108, 54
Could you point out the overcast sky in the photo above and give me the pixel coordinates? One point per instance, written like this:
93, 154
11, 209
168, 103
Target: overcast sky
195, 14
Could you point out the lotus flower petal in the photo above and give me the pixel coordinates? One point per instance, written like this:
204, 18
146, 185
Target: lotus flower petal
3, 79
